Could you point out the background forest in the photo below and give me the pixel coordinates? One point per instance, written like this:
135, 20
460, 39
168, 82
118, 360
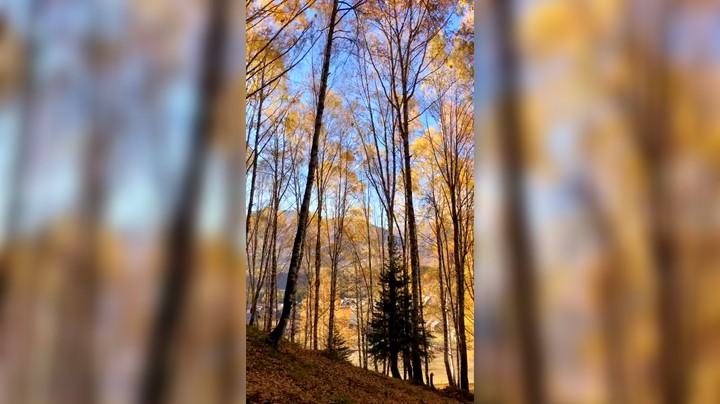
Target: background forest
383, 263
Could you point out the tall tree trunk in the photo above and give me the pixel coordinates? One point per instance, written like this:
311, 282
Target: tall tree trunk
231, 332
272, 284
13, 205
413, 246
394, 348
610, 297
277, 333
272, 306
262, 278
331, 308
307, 339
358, 317
652, 119
316, 314
255, 278
256, 151
74, 369
460, 279
426, 353
520, 258
293, 322
369, 311
337, 244
179, 242
443, 305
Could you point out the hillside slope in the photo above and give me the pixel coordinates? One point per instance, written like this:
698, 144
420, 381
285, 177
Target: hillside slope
295, 375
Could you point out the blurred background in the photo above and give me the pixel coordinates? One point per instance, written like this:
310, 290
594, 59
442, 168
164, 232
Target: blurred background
597, 157
120, 142
112, 154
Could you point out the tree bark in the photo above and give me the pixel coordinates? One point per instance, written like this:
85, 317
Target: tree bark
414, 255
460, 279
443, 305
520, 256
316, 314
179, 241
336, 248
253, 181
277, 333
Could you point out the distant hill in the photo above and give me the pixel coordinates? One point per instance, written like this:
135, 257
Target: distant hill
286, 236
295, 375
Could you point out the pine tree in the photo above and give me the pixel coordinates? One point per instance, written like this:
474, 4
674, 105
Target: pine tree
338, 349
391, 327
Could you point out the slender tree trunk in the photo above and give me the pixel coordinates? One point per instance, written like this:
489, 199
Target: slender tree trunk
293, 322
272, 306
262, 278
610, 297
337, 246
443, 306
369, 311
520, 261
308, 314
74, 368
426, 353
13, 205
460, 278
307, 338
255, 278
256, 151
277, 333
358, 317
394, 349
333, 297
316, 314
230, 332
652, 119
180, 246
413, 246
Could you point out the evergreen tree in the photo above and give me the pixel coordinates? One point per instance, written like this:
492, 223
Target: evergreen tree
338, 348
391, 328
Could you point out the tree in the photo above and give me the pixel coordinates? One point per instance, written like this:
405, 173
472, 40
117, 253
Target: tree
452, 152
25, 91
180, 261
389, 327
324, 169
438, 229
651, 118
337, 239
277, 333
381, 150
278, 33
337, 348
520, 258
402, 58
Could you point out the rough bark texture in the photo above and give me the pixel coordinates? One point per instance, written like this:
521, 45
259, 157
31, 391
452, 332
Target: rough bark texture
277, 333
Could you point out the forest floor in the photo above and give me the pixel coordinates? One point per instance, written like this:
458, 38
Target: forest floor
291, 374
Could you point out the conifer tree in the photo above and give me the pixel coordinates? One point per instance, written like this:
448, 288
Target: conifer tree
338, 349
391, 326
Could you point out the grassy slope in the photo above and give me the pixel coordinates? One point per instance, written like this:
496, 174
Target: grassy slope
295, 375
